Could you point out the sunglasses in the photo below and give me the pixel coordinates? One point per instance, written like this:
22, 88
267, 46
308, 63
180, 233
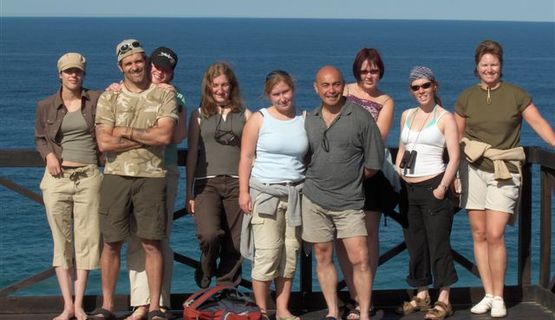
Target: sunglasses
226, 137
325, 142
128, 47
371, 71
426, 85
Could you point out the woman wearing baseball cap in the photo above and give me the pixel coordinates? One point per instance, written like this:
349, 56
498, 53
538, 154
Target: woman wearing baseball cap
65, 138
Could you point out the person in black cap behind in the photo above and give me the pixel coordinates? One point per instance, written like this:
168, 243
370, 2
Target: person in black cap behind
162, 65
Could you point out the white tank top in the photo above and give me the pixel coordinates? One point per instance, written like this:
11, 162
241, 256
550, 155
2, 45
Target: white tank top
429, 145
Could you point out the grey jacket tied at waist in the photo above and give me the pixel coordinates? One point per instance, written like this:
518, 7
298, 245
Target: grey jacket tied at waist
267, 197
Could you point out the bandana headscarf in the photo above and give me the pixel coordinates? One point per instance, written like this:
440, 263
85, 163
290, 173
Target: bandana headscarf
420, 72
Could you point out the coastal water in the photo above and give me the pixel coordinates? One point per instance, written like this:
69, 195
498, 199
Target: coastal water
30, 47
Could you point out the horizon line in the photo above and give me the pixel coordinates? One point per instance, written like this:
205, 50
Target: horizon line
276, 18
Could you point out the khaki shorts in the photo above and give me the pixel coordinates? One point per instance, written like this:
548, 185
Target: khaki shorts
124, 198
276, 243
322, 225
481, 191
71, 203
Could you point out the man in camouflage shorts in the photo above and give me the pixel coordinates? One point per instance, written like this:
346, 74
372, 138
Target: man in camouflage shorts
133, 126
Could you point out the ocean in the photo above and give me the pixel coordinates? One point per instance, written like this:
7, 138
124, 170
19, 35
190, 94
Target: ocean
30, 47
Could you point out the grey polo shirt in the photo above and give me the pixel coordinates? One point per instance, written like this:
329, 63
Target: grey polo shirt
338, 156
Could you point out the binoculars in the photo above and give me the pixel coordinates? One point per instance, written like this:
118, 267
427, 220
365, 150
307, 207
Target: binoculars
408, 160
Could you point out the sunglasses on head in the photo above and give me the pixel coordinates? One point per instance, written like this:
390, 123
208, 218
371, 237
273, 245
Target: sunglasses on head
276, 73
426, 85
128, 47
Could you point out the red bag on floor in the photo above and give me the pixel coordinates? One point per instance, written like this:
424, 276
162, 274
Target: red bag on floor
220, 303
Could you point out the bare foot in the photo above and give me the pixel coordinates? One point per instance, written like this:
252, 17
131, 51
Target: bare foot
65, 315
80, 314
284, 315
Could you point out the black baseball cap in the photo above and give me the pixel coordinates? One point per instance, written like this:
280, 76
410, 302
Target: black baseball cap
164, 57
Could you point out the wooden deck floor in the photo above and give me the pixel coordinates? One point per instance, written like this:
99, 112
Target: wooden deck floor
524, 303
523, 310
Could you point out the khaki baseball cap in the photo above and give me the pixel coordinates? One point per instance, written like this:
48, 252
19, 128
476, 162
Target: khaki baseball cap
72, 60
128, 47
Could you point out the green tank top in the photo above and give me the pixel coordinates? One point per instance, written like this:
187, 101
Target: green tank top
77, 142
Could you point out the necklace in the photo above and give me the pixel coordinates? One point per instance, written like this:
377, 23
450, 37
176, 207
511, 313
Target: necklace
422, 127
488, 89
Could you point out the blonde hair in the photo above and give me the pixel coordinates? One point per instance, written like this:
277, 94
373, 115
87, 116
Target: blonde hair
276, 77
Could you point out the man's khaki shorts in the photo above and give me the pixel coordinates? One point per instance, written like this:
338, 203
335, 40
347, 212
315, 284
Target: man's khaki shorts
322, 225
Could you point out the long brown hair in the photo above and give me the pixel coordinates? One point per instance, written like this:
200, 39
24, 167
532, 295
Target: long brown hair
208, 106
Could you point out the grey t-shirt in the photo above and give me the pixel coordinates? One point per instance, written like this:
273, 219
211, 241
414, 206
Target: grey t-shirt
339, 155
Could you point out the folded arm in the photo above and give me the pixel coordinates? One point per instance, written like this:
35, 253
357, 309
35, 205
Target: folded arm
158, 135
108, 141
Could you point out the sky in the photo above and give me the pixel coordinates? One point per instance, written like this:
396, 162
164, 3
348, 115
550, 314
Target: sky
493, 10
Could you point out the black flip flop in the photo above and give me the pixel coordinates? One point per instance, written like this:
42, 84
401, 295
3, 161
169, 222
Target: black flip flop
101, 314
157, 315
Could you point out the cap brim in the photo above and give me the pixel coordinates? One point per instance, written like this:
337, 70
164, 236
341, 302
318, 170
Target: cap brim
69, 66
163, 64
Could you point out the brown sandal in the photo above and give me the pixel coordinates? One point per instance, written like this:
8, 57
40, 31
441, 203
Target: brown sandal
420, 305
439, 314
139, 313
264, 315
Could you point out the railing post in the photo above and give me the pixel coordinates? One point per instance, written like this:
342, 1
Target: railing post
306, 272
547, 177
525, 227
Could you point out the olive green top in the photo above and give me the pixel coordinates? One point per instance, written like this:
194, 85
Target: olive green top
497, 123
77, 142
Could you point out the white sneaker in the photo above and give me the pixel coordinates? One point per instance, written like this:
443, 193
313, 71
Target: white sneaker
498, 308
484, 305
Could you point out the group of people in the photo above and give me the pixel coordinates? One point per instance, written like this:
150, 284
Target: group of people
259, 183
